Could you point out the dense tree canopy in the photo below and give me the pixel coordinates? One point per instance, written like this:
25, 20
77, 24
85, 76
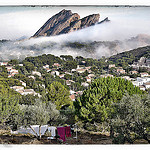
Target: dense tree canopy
8, 107
58, 94
95, 103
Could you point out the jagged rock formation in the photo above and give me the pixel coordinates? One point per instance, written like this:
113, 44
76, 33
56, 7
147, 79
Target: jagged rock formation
64, 22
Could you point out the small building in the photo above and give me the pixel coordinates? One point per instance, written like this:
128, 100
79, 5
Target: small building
9, 67
68, 73
111, 66
28, 91
3, 63
85, 84
126, 78
121, 71
80, 70
133, 72
144, 74
87, 68
46, 66
89, 71
32, 77
79, 92
36, 73
55, 73
20, 65
142, 87
91, 75
61, 76
136, 83
23, 83
83, 62
106, 75
56, 65
68, 82
72, 97
17, 88
73, 70
143, 80
88, 79
147, 85
72, 92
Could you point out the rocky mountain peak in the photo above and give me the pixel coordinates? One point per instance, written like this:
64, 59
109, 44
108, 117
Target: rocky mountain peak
64, 22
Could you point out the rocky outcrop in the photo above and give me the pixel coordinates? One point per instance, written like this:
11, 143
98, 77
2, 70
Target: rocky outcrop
89, 20
64, 22
57, 23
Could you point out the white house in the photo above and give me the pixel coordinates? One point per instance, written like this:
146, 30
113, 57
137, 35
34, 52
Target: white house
143, 80
72, 92
21, 65
147, 85
61, 75
80, 70
17, 88
142, 87
36, 73
23, 83
136, 83
106, 75
55, 73
112, 66
144, 74
31, 77
46, 66
28, 91
3, 63
126, 77
88, 79
84, 84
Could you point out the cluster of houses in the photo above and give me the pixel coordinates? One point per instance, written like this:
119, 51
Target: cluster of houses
143, 81
22, 91
143, 63
80, 69
10, 69
119, 70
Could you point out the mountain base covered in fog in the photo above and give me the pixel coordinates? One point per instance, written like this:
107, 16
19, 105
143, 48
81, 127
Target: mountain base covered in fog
93, 49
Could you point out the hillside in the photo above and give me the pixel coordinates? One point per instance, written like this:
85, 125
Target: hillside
129, 57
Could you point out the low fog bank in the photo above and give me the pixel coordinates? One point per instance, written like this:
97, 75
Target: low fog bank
69, 45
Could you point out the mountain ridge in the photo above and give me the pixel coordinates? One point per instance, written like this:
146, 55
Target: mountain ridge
65, 21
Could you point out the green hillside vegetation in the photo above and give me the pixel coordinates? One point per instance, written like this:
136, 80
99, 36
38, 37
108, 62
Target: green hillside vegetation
129, 57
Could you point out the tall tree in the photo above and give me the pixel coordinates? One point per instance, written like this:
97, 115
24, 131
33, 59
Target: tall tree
8, 107
58, 94
95, 103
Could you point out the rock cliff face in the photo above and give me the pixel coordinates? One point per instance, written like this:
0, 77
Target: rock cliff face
64, 22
